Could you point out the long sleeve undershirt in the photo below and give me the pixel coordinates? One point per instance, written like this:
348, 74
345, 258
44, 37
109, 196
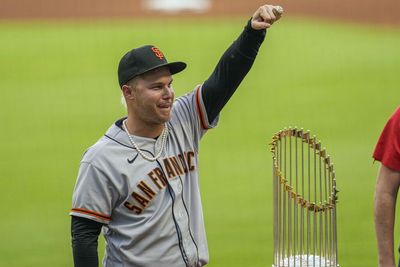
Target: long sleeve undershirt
85, 234
216, 91
231, 70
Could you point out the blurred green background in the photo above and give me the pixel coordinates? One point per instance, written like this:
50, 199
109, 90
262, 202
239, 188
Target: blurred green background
59, 94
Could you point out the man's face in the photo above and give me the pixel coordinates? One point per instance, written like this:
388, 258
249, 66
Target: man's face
153, 97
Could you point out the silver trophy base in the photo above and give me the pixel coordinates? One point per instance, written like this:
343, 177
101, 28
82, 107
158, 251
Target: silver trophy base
305, 261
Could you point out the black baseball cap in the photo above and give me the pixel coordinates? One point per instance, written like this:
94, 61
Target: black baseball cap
143, 59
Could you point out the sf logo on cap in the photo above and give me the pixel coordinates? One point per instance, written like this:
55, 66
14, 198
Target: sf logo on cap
157, 52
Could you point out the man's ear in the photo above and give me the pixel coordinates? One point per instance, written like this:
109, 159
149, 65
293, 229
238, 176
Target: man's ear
128, 92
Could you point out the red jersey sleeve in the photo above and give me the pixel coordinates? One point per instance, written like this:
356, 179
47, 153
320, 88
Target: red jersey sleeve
387, 150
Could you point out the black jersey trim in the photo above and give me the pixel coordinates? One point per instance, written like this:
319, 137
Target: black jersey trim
130, 161
190, 230
119, 122
127, 145
178, 231
118, 142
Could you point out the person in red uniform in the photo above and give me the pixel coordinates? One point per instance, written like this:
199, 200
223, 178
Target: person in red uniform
387, 151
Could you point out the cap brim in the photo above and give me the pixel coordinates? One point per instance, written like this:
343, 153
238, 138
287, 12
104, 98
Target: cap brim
174, 67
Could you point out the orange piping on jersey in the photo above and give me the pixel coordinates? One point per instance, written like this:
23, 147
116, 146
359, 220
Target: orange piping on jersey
199, 111
92, 213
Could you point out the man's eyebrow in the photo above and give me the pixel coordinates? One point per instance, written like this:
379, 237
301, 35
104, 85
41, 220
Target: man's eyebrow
159, 83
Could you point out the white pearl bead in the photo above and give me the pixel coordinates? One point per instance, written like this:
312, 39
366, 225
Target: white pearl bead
163, 140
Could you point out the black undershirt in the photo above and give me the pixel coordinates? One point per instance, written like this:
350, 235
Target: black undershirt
231, 69
84, 233
216, 91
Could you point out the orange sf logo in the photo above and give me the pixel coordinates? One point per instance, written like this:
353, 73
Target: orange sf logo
157, 52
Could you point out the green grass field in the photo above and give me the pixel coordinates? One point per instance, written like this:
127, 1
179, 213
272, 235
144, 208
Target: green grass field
59, 93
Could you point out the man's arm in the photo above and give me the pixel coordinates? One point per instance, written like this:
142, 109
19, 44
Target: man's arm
85, 234
237, 61
387, 186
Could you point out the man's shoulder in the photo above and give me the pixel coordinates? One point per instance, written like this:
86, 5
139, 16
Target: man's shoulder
97, 150
394, 122
187, 101
396, 115
101, 149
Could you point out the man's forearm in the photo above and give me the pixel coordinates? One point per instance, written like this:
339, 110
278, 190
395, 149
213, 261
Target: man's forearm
387, 186
384, 224
231, 69
84, 234
237, 60
85, 255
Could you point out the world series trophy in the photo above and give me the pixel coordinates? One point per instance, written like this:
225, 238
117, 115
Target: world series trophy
304, 199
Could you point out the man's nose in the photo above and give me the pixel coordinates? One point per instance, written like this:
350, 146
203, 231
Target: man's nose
168, 92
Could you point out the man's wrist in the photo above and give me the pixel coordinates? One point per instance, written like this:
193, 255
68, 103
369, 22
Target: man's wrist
249, 29
387, 262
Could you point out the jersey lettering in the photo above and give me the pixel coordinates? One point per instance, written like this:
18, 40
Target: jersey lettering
161, 176
168, 167
189, 158
144, 193
141, 199
156, 178
133, 208
146, 189
175, 163
182, 159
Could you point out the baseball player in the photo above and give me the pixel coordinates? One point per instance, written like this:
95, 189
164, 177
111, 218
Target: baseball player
139, 183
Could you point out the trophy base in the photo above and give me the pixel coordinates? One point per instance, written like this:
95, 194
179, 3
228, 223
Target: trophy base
305, 261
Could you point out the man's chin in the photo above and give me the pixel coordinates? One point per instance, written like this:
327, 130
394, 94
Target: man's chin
165, 115
164, 118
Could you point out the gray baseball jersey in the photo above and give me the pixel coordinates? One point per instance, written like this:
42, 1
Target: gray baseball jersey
151, 210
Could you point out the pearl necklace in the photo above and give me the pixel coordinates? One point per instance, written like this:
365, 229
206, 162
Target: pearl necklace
163, 137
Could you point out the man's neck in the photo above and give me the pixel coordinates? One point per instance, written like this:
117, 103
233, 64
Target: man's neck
139, 129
